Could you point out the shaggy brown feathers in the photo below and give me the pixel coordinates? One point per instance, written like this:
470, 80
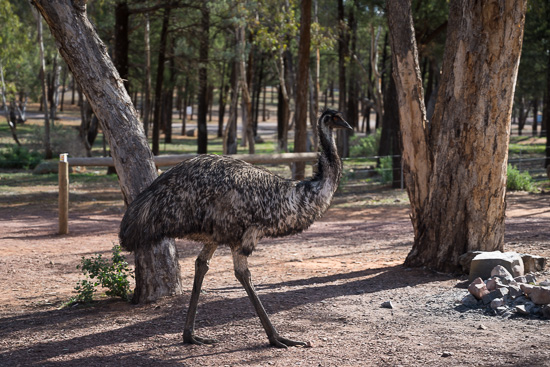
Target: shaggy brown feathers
217, 199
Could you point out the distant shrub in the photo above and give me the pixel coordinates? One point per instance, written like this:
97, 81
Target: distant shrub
517, 180
385, 169
19, 157
366, 146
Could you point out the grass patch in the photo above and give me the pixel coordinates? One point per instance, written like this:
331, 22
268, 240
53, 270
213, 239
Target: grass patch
9, 180
520, 181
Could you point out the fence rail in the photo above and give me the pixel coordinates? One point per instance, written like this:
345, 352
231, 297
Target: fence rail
170, 160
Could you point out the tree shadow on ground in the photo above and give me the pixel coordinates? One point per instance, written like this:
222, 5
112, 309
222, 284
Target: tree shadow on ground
166, 316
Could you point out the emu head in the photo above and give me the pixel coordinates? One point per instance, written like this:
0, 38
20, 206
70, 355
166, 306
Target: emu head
333, 120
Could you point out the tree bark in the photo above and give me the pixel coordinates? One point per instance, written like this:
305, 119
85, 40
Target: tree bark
283, 103
202, 137
315, 85
160, 80
302, 78
221, 99
342, 135
48, 154
11, 124
230, 133
248, 132
157, 272
455, 166
147, 101
168, 96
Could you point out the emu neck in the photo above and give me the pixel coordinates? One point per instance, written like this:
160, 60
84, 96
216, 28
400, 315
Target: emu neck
329, 166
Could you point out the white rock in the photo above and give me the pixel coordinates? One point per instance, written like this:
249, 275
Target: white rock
523, 309
484, 262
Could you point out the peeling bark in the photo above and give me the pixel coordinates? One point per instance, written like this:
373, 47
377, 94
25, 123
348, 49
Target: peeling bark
455, 166
86, 55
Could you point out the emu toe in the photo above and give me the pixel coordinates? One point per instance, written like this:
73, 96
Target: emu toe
197, 340
280, 342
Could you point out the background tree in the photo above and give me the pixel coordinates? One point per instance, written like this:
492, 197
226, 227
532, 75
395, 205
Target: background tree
455, 164
302, 79
203, 79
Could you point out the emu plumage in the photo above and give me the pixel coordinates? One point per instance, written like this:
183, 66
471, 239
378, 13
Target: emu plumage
218, 200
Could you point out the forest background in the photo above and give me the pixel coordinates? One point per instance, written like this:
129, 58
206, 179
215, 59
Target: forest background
201, 46
227, 60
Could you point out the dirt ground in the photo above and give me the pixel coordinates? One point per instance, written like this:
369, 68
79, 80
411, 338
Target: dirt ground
324, 286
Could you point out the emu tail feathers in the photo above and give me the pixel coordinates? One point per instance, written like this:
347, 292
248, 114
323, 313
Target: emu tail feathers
136, 228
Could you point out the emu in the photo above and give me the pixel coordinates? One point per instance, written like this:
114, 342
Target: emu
218, 200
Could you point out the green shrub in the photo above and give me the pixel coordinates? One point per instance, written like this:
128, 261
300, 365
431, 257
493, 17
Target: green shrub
385, 169
517, 180
113, 275
366, 146
19, 157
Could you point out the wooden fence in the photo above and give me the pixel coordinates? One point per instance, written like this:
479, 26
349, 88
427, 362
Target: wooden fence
171, 160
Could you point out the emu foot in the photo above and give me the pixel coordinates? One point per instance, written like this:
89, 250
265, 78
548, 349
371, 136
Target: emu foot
189, 338
280, 342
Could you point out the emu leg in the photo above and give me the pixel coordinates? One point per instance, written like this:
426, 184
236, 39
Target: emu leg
201, 267
240, 263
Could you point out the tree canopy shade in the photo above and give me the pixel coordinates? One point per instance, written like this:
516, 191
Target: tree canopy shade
157, 273
455, 164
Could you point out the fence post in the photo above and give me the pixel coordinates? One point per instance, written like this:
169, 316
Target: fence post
63, 194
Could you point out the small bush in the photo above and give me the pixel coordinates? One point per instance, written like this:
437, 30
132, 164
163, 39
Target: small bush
113, 275
385, 169
517, 180
366, 146
19, 157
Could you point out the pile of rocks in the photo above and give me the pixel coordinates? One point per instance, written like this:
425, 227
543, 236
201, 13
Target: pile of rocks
506, 291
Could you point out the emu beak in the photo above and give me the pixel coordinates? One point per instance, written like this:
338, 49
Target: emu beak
340, 123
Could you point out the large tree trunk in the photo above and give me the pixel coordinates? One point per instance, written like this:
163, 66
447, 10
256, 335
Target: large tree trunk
455, 166
157, 272
300, 130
